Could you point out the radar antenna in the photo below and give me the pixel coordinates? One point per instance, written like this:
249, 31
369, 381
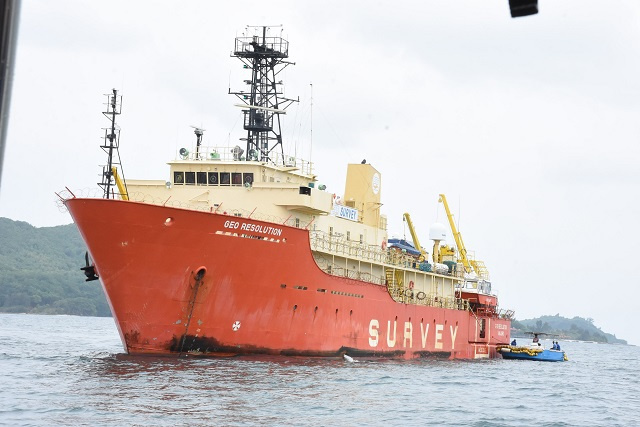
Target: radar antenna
199, 132
264, 102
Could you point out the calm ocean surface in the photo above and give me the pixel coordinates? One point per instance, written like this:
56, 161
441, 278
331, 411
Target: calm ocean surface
65, 370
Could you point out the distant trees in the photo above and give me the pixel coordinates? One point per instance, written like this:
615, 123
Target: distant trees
577, 328
40, 272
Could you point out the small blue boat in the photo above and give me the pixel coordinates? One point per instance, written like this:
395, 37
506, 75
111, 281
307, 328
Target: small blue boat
535, 351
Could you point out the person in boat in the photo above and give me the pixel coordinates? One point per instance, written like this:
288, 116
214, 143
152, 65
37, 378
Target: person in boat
535, 338
557, 345
514, 342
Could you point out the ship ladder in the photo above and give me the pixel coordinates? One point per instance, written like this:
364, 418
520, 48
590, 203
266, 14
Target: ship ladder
480, 269
394, 282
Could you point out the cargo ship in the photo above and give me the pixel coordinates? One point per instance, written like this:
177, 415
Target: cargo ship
242, 251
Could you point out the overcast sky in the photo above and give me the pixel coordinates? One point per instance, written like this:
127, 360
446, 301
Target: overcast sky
529, 126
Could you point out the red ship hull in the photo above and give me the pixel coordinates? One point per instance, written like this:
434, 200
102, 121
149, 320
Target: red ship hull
183, 282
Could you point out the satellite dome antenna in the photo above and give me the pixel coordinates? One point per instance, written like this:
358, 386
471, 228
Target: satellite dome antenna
265, 57
199, 132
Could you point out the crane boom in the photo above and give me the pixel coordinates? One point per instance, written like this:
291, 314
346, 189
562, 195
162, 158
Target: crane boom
462, 251
414, 236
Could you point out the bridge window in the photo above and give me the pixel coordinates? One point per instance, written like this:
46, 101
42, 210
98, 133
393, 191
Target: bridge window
202, 178
225, 178
178, 178
190, 178
247, 178
236, 178
213, 178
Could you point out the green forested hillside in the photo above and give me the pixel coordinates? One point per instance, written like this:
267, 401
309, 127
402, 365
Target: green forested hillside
40, 271
576, 328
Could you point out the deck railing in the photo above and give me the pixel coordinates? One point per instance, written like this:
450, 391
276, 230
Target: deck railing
216, 154
338, 245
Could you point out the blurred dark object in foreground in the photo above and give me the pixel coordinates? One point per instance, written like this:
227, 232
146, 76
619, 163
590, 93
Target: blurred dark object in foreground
10, 10
523, 7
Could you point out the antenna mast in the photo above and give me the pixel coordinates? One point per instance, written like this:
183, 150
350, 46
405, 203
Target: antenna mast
263, 103
311, 144
112, 147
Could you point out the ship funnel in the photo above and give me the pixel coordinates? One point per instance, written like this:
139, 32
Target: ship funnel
362, 192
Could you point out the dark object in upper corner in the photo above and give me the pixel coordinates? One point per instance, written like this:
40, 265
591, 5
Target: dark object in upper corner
523, 7
9, 17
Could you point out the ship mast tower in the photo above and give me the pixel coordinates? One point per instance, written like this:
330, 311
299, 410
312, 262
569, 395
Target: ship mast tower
111, 146
264, 102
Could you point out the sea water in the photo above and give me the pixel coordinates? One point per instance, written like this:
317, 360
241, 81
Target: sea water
67, 370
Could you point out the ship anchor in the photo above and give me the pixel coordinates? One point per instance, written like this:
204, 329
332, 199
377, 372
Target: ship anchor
89, 269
